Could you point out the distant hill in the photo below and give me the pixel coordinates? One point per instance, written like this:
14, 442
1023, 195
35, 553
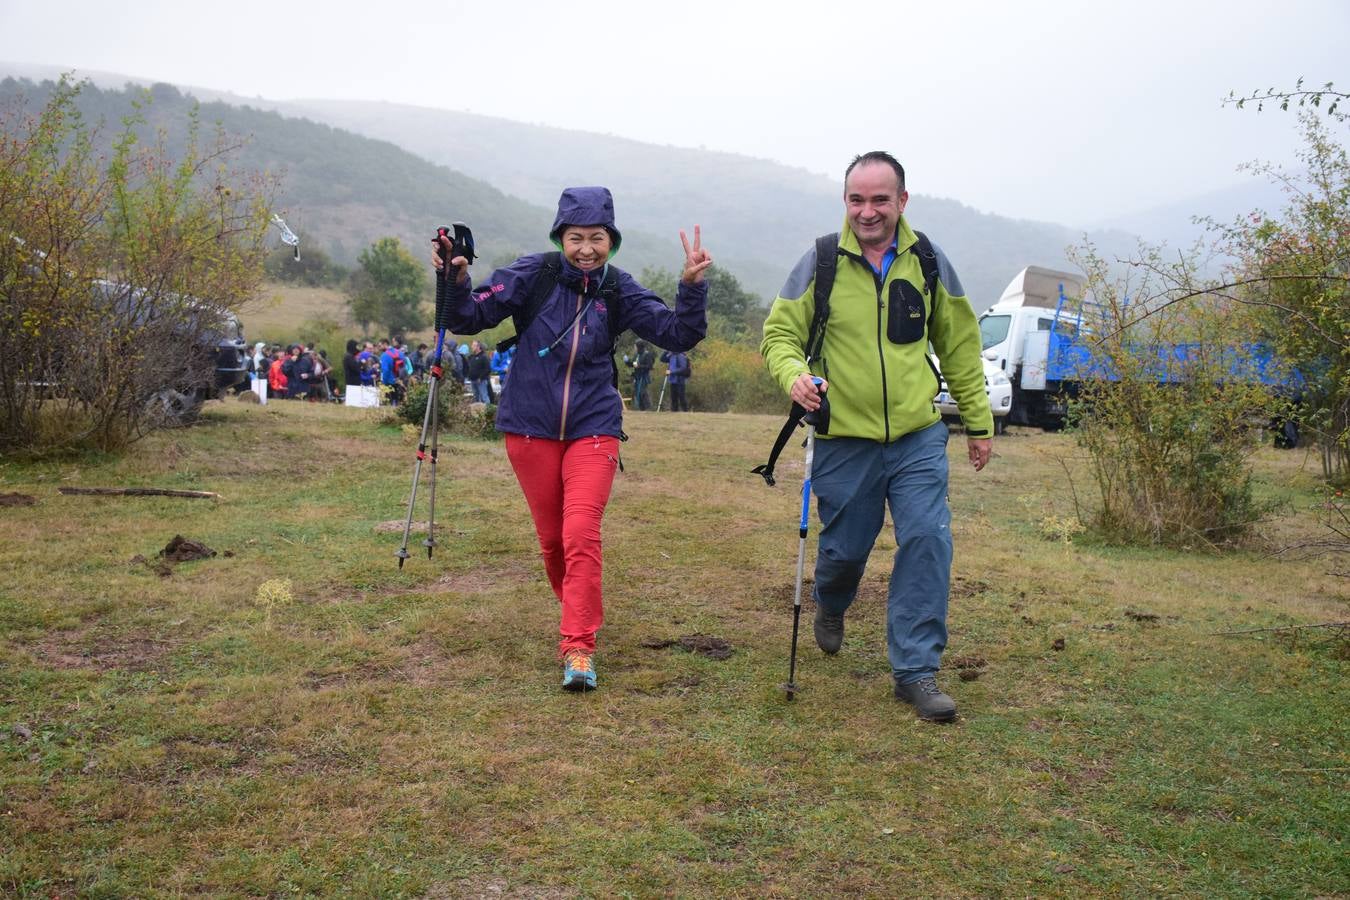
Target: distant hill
338, 190
1173, 223
759, 216
356, 171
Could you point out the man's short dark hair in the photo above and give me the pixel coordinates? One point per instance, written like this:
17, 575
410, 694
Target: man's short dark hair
877, 156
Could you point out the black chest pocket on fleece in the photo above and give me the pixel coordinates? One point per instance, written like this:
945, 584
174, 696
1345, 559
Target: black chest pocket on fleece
905, 313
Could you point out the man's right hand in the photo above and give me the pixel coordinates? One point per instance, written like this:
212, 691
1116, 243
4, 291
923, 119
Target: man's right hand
806, 393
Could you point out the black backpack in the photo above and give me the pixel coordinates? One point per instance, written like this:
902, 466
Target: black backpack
827, 262
544, 282
827, 254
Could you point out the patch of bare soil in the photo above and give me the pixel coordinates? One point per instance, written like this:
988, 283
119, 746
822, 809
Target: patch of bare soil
492, 576
967, 587
15, 499
423, 664
492, 889
968, 668
76, 650
709, 645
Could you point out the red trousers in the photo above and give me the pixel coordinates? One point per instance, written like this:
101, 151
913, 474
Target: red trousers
567, 485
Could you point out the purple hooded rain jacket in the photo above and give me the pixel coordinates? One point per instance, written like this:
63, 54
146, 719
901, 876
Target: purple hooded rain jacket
568, 392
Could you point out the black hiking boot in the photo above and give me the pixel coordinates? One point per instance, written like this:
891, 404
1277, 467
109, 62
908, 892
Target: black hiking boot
829, 630
928, 701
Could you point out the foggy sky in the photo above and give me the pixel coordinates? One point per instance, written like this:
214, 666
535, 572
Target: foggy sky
1074, 113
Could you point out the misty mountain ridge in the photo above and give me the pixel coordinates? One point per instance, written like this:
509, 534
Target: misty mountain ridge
357, 170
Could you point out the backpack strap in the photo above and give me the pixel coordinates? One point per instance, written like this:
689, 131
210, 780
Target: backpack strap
928, 265
827, 260
544, 281
827, 252
820, 419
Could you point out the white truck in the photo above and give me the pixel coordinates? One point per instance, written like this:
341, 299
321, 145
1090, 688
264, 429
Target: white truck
1016, 336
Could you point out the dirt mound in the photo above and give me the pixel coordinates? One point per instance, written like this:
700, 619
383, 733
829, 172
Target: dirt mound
17, 500
181, 549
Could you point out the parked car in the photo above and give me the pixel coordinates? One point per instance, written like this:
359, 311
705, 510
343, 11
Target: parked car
996, 386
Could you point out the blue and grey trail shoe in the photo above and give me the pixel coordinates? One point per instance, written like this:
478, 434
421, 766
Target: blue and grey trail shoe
578, 671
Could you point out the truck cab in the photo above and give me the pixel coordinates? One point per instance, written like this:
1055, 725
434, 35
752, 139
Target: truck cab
1015, 336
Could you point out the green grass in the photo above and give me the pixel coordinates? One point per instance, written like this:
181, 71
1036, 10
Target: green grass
400, 732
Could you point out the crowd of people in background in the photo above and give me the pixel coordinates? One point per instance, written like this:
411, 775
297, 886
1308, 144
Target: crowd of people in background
304, 372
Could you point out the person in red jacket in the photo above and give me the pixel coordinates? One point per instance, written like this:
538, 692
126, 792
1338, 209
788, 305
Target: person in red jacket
276, 378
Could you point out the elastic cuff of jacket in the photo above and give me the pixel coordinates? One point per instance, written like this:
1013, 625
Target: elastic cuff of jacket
977, 434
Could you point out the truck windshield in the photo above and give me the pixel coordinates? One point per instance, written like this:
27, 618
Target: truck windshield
993, 330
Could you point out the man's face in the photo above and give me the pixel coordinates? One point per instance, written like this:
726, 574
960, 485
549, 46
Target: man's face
874, 202
586, 247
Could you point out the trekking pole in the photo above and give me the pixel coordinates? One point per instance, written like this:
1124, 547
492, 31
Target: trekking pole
445, 278
811, 419
662, 396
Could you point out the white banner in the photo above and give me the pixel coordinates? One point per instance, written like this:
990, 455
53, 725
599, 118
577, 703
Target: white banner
362, 395
260, 388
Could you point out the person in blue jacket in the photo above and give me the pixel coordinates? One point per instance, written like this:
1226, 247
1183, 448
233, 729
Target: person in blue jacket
562, 414
501, 363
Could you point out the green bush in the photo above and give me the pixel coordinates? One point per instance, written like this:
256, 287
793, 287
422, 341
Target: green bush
730, 377
1169, 438
414, 406
457, 414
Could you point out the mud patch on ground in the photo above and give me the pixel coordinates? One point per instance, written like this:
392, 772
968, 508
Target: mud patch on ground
15, 499
182, 549
82, 649
706, 644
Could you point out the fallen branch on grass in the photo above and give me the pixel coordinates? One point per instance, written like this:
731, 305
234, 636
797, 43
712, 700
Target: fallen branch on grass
139, 492
1287, 628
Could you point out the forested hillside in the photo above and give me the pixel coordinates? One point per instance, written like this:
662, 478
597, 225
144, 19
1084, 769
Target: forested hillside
416, 168
338, 190
759, 215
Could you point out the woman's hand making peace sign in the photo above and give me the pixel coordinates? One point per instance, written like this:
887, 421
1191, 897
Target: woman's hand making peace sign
696, 258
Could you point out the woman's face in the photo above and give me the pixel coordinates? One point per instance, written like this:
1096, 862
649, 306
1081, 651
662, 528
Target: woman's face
586, 247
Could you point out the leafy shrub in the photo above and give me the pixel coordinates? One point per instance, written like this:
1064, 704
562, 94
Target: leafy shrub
414, 407
118, 274
457, 414
730, 377
1170, 436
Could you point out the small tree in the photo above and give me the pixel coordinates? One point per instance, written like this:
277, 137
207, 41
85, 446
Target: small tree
731, 308
389, 288
1169, 412
117, 273
1294, 270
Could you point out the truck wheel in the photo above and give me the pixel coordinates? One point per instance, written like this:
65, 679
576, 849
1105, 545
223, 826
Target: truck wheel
1000, 424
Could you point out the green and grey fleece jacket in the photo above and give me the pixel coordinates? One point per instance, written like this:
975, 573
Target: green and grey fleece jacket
881, 381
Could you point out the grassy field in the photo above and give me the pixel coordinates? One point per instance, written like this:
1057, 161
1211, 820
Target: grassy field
171, 730
280, 310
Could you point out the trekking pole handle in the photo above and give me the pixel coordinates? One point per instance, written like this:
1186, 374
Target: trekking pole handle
461, 244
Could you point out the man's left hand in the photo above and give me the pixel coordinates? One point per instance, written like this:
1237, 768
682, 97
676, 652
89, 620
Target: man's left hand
979, 449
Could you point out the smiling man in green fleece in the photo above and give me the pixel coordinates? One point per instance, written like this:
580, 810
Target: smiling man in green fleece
892, 294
